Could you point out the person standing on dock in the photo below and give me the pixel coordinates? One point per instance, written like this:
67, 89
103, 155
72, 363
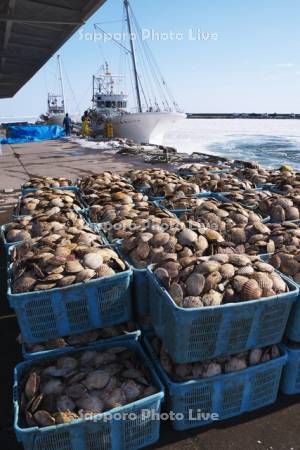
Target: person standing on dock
67, 124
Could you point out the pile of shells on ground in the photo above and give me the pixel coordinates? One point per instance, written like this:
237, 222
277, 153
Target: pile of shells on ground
195, 282
90, 382
181, 373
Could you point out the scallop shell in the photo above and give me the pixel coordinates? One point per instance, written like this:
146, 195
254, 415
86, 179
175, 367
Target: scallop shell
212, 280
65, 403
160, 239
251, 290
227, 271
25, 283
143, 250
85, 275
97, 379
239, 260
195, 284
213, 235
264, 267
263, 280
279, 284
172, 268
221, 258
92, 260
186, 237
44, 286
245, 271
32, 385
207, 267
238, 282
66, 280
238, 235
105, 271
176, 293
212, 298
192, 302
73, 266
292, 213
277, 214
43, 418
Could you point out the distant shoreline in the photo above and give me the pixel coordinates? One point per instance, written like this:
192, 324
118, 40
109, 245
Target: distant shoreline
242, 116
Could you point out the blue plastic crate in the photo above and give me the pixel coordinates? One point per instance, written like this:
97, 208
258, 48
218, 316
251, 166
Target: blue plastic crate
293, 325
25, 191
45, 315
198, 334
100, 434
290, 382
227, 395
56, 351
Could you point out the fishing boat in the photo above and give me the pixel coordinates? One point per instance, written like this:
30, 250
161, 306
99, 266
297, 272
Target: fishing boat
153, 115
56, 110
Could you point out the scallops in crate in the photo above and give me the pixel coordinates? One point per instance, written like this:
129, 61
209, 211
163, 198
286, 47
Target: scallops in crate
214, 306
200, 393
101, 397
67, 290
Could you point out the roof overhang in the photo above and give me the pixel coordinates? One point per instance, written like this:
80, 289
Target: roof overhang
31, 31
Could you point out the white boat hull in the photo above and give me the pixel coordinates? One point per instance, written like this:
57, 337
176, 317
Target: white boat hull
148, 127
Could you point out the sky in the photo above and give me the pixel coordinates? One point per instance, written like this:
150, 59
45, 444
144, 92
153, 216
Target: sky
227, 56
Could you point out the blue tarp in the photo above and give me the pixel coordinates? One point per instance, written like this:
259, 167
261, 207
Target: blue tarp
32, 133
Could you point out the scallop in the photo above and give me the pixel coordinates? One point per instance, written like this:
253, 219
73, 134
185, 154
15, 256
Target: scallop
73, 266
212, 280
251, 290
90, 404
187, 237
195, 284
227, 271
105, 271
212, 298
176, 293
92, 260
97, 379
192, 302
85, 275
43, 418
263, 280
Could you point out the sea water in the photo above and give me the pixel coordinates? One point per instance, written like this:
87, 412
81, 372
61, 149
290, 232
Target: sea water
270, 142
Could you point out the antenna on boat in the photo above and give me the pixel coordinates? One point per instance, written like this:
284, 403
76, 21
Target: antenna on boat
136, 79
61, 83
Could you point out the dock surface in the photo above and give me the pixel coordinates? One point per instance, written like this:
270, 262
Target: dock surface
272, 428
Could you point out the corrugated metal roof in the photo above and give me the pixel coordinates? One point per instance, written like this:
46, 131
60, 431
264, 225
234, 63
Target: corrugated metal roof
31, 31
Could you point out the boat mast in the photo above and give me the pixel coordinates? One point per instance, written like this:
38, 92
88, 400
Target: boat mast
61, 82
137, 88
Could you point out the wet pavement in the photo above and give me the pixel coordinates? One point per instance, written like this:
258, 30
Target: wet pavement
273, 428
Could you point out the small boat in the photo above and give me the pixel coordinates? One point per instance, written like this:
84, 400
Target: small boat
56, 103
151, 120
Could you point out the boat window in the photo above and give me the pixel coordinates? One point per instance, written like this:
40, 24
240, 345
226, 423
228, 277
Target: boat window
124, 104
113, 104
108, 104
119, 104
102, 104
